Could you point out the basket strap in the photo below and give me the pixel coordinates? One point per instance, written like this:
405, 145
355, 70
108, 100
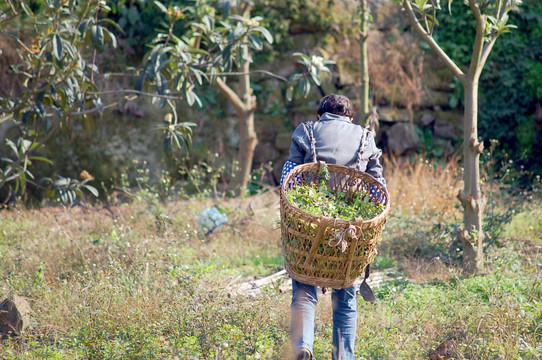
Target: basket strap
309, 126
362, 145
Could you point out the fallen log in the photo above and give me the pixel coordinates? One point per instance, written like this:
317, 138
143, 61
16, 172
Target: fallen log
280, 281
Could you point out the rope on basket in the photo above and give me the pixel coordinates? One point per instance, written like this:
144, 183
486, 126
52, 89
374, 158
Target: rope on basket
340, 237
309, 126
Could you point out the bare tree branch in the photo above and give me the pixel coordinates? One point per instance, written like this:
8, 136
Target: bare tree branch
236, 101
171, 96
485, 53
432, 43
482, 48
251, 72
12, 7
481, 23
6, 118
97, 108
476, 11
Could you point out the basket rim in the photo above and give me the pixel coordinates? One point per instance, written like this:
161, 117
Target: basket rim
359, 221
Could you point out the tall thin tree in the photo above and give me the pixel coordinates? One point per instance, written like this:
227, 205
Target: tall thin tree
491, 21
364, 89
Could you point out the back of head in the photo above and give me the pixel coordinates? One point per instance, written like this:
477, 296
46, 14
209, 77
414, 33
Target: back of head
336, 104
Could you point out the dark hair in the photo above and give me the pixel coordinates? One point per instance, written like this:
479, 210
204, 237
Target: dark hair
336, 104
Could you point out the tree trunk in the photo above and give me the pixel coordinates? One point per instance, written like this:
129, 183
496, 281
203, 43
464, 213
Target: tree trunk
247, 144
471, 197
248, 139
364, 94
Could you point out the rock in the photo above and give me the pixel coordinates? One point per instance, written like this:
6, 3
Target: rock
444, 129
283, 141
434, 98
445, 145
133, 109
14, 316
449, 349
436, 76
299, 117
286, 69
445, 351
394, 115
454, 117
265, 152
386, 17
427, 119
277, 170
347, 74
403, 138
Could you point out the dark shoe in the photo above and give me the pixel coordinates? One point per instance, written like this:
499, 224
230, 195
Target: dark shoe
303, 354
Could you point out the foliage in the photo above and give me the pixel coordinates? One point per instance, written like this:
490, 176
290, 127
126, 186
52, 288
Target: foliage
510, 82
53, 81
210, 42
17, 169
288, 18
206, 46
202, 178
69, 189
318, 199
312, 67
134, 24
138, 20
491, 21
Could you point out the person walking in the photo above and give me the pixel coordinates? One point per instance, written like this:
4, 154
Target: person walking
334, 139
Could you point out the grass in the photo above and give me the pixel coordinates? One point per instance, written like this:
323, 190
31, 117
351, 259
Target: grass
526, 224
142, 281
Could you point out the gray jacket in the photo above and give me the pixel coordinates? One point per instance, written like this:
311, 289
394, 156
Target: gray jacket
337, 141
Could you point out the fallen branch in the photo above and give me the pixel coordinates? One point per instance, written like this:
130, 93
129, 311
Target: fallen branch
281, 281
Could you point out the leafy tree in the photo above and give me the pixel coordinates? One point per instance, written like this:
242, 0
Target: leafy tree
491, 21
507, 109
215, 42
53, 81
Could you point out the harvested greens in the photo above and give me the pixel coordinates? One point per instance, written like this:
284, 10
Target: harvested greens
319, 200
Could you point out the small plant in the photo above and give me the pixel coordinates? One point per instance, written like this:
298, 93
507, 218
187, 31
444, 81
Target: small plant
17, 169
67, 189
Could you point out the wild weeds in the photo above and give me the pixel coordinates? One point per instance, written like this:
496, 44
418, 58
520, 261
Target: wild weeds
114, 283
423, 188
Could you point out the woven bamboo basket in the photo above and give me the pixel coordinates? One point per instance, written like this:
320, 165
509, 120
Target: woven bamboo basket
310, 244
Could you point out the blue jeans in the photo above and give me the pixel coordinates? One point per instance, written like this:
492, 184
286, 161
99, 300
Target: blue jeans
345, 316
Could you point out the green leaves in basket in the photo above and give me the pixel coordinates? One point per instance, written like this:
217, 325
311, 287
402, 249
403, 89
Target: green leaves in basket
319, 200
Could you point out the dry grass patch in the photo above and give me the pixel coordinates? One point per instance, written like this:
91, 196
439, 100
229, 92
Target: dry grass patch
423, 270
421, 187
